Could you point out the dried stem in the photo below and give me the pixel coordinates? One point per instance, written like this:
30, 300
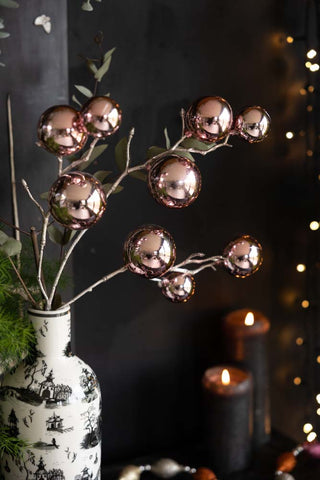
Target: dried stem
61, 268
27, 189
42, 247
60, 165
2, 220
94, 285
210, 150
83, 159
30, 297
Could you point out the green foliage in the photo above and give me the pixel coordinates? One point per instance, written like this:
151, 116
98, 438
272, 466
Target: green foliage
10, 445
9, 4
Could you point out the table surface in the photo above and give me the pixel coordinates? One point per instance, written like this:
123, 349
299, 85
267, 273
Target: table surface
262, 468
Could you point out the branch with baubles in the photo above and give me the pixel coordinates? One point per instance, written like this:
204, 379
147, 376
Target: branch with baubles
78, 199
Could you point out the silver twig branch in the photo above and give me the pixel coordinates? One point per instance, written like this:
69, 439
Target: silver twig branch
62, 266
42, 247
83, 159
60, 165
27, 189
94, 285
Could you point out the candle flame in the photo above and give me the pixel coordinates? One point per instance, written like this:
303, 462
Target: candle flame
249, 320
225, 377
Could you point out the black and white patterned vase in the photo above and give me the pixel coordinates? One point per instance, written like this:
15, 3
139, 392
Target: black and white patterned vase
54, 404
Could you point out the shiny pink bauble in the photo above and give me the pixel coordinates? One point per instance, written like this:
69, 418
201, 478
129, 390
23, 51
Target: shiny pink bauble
101, 116
178, 287
253, 124
77, 200
149, 251
174, 181
312, 448
60, 130
243, 256
209, 119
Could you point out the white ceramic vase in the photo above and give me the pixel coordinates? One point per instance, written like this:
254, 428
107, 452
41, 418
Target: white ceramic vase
54, 404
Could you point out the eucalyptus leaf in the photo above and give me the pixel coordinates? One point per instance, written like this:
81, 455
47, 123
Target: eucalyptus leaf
86, 6
186, 155
67, 235
105, 65
84, 90
108, 186
1, 23
91, 65
4, 34
11, 247
9, 4
2, 64
3, 237
139, 175
121, 153
55, 234
102, 174
44, 195
75, 100
166, 136
96, 152
153, 151
196, 144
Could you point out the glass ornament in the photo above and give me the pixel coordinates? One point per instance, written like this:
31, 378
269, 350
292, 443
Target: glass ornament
101, 116
60, 130
178, 287
166, 468
209, 119
174, 181
77, 200
149, 251
253, 124
243, 256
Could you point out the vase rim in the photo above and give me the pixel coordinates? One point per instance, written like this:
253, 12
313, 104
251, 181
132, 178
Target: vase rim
49, 313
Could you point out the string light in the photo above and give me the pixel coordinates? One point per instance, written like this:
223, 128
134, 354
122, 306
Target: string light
307, 428
314, 225
309, 153
311, 437
302, 133
303, 91
301, 267
311, 88
309, 108
289, 135
305, 303
290, 39
318, 359
312, 53
318, 398
318, 411
299, 341
308, 64
314, 67
297, 380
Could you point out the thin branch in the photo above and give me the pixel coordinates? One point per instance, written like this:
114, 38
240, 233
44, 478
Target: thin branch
42, 247
2, 220
60, 165
131, 135
210, 150
83, 159
36, 254
182, 115
13, 174
25, 288
94, 285
62, 265
27, 189
203, 261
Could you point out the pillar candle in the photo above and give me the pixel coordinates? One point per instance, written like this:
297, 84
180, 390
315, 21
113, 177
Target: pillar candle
227, 418
246, 345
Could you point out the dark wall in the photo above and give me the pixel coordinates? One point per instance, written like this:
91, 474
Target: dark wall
150, 354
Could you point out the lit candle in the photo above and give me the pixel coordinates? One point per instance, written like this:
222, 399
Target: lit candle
228, 418
246, 333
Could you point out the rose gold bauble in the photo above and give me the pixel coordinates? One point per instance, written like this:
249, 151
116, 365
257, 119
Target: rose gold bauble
203, 473
77, 200
149, 251
60, 130
243, 256
253, 124
174, 181
209, 119
101, 116
178, 287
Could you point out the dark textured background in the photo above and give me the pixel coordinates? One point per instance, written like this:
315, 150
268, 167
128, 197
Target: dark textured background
150, 354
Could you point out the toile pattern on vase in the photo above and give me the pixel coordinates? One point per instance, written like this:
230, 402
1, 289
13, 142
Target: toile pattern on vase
54, 404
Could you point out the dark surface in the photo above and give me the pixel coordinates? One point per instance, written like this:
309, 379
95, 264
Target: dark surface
262, 467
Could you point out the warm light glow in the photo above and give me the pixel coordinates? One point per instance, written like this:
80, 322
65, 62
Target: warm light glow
302, 133
318, 398
312, 436
290, 39
309, 108
225, 377
311, 88
314, 67
308, 64
305, 303
289, 135
301, 267
307, 428
314, 225
318, 411
312, 53
249, 320
318, 359
303, 91
299, 341
297, 380
309, 153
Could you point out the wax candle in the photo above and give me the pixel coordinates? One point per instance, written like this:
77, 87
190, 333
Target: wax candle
246, 333
227, 418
